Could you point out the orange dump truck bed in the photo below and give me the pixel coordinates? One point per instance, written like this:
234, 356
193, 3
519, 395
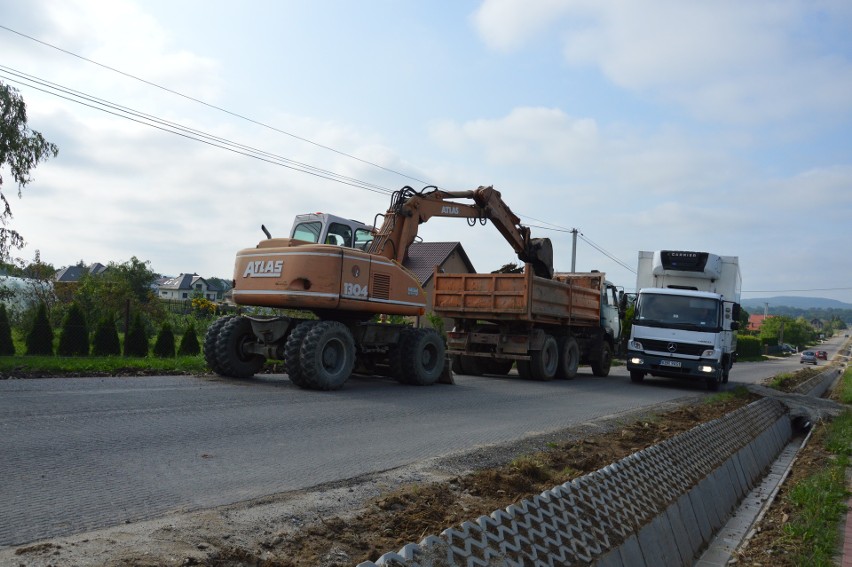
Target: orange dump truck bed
569, 299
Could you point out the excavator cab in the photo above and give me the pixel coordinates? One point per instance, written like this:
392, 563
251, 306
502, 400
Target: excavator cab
324, 228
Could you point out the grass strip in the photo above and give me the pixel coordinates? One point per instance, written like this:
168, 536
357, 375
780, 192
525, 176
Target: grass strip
819, 501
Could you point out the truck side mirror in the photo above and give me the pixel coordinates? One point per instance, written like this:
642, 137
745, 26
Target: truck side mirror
735, 325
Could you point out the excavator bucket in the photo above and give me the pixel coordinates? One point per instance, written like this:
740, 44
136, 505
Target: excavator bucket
540, 254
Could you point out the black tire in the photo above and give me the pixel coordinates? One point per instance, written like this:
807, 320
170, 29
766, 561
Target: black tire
601, 366
637, 376
543, 363
422, 357
292, 353
230, 354
569, 358
210, 339
498, 366
327, 356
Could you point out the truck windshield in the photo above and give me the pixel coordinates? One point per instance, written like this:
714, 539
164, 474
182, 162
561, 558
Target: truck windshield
697, 313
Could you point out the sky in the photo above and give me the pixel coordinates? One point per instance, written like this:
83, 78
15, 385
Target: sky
717, 126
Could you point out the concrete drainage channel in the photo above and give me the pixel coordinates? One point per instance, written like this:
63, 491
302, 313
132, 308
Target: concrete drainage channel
660, 506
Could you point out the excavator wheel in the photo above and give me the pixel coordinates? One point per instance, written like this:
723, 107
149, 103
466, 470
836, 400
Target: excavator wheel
292, 350
421, 357
327, 356
601, 366
210, 339
230, 356
569, 358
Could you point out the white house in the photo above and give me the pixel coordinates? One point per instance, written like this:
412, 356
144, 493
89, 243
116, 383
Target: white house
188, 286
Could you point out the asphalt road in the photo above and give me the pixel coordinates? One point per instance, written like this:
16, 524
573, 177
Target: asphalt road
85, 453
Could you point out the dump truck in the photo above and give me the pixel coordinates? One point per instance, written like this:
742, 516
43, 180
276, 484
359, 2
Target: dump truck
343, 289
686, 316
547, 327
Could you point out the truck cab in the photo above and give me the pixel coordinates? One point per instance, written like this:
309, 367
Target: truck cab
686, 315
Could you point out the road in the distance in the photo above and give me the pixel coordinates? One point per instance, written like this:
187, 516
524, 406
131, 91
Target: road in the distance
85, 453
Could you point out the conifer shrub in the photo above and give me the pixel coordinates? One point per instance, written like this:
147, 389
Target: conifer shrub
189, 345
136, 341
105, 342
74, 336
164, 346
7, 345
40, 337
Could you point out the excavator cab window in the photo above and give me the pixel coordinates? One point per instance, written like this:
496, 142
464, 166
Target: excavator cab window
339, 234
363, 238
308, 231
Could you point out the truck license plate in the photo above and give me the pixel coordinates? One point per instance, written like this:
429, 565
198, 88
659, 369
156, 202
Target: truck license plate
672, 363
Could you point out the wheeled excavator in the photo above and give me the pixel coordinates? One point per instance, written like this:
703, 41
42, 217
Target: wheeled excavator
342, 289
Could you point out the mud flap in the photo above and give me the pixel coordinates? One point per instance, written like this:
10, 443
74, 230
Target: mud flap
447, 376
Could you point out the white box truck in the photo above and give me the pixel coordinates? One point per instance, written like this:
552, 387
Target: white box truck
686, 316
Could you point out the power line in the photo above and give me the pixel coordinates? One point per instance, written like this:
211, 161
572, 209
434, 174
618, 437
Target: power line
213, 106
223, 143
180, 130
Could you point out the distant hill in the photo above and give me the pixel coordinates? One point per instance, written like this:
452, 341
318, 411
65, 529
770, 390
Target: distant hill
755, 305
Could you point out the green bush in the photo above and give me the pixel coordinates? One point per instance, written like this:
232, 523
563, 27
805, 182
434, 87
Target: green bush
7, 345
136, 341
749, 346
164, 347
74, 336
189, 345
40, 337
106, 341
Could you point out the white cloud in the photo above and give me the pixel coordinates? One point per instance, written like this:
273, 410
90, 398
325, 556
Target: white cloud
733, 61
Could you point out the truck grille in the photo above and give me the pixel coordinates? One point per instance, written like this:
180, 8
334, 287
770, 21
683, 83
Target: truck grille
679, 348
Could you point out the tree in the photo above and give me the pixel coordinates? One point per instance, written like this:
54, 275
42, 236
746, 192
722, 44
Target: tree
164, 346
136, 341
119, 288
20, 149
74, 337
105, 342
189, 342
7, 345
40, 337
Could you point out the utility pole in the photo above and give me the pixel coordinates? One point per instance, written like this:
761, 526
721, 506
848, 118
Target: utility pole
574, 250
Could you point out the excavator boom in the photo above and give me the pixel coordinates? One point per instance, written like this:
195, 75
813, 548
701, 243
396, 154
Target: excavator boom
410, 208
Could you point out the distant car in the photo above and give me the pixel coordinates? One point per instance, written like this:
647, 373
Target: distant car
821, 354
809, 357
787, 349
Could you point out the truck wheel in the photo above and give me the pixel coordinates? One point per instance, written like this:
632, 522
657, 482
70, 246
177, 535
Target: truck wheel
543, 363
636, 376
292, 350
422, 357
569, 358
210, 339
327, 355
601, 366
230, 354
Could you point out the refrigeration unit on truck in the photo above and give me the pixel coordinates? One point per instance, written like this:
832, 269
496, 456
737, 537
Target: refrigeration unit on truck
686, 316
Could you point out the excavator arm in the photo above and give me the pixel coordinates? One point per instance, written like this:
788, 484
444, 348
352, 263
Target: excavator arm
410, 208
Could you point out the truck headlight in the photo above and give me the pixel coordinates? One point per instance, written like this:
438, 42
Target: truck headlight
709, 353
706, 368
635, 345
637, 360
